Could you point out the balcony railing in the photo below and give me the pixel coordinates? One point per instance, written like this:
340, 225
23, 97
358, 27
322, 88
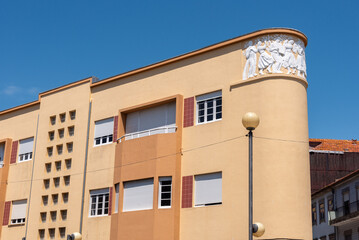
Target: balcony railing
344, 212
149, 132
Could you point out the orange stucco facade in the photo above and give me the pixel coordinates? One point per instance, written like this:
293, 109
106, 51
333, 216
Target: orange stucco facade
76, 179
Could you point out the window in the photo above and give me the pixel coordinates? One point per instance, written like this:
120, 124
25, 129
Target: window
48, 167
43, 217
59, 149
68, 163
55, 198
25, 152
53, 120
57, 182
49, 151
62, 117
58, 165
18, 212
65, 197
164, 193
62, 232
138, 195
52, 233
321, 211
45, 200
63, 215
332, 236
348, 235
70, 147
346, 203
41, 234
209, 107
151, 121
73, 114
67, 180
117, 190
46, 183
99, 200
330, 203
2, 151
51, 135
103, 132
71, 131
61, 133
314, 213
53, 216
323, 238
208, 189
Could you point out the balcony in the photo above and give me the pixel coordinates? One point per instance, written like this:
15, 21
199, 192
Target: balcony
149, 132
345, 214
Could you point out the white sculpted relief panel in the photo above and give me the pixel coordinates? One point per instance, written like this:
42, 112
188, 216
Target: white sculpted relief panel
275, 52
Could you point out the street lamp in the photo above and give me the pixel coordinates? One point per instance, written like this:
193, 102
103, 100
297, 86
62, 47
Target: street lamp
250, 121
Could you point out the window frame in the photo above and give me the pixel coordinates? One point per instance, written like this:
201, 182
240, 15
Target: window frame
104, 193
196, 187
205, 98
160, 191
27, 156
22, 220
99, 141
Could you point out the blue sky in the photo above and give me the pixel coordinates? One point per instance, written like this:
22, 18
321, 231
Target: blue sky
48, 43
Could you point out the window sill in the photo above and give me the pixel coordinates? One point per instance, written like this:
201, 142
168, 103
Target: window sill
202, 123
16, 224
97, 216
208, 205
103, 144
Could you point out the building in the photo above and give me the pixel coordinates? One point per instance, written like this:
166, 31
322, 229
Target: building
160, 152
335, 210
331, 159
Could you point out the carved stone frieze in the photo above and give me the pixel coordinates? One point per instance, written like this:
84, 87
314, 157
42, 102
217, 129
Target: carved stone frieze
276, 53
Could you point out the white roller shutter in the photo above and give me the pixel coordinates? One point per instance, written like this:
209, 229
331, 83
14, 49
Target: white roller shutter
146, 122
104, 127
18, 209
26, 145
208, 189
138, 195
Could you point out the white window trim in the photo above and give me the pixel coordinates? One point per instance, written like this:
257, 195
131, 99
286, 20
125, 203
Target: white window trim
105, 127
108, 137
196, 204
160, 192
205, 98
18, 220
98, 193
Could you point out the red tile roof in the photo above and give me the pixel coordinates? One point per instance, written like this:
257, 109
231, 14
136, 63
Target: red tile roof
334, 145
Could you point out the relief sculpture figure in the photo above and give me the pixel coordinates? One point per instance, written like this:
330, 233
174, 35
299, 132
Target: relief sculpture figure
265, 60
289, 61
276, 48
251, 62
301, 65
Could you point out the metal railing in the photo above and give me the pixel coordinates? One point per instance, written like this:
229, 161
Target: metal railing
345, 210
149, 132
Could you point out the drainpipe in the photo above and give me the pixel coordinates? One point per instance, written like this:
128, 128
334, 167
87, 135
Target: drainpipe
32, 177
85, 167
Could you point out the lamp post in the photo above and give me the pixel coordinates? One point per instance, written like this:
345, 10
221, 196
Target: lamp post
250, 121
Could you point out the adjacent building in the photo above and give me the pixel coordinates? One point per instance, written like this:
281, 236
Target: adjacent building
331, 159
160, 152
335, 210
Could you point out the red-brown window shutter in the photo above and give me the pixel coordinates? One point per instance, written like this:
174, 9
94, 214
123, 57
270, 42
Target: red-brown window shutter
110, 202
115, 128
188, 112
187, 191
6, 213
13, 158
